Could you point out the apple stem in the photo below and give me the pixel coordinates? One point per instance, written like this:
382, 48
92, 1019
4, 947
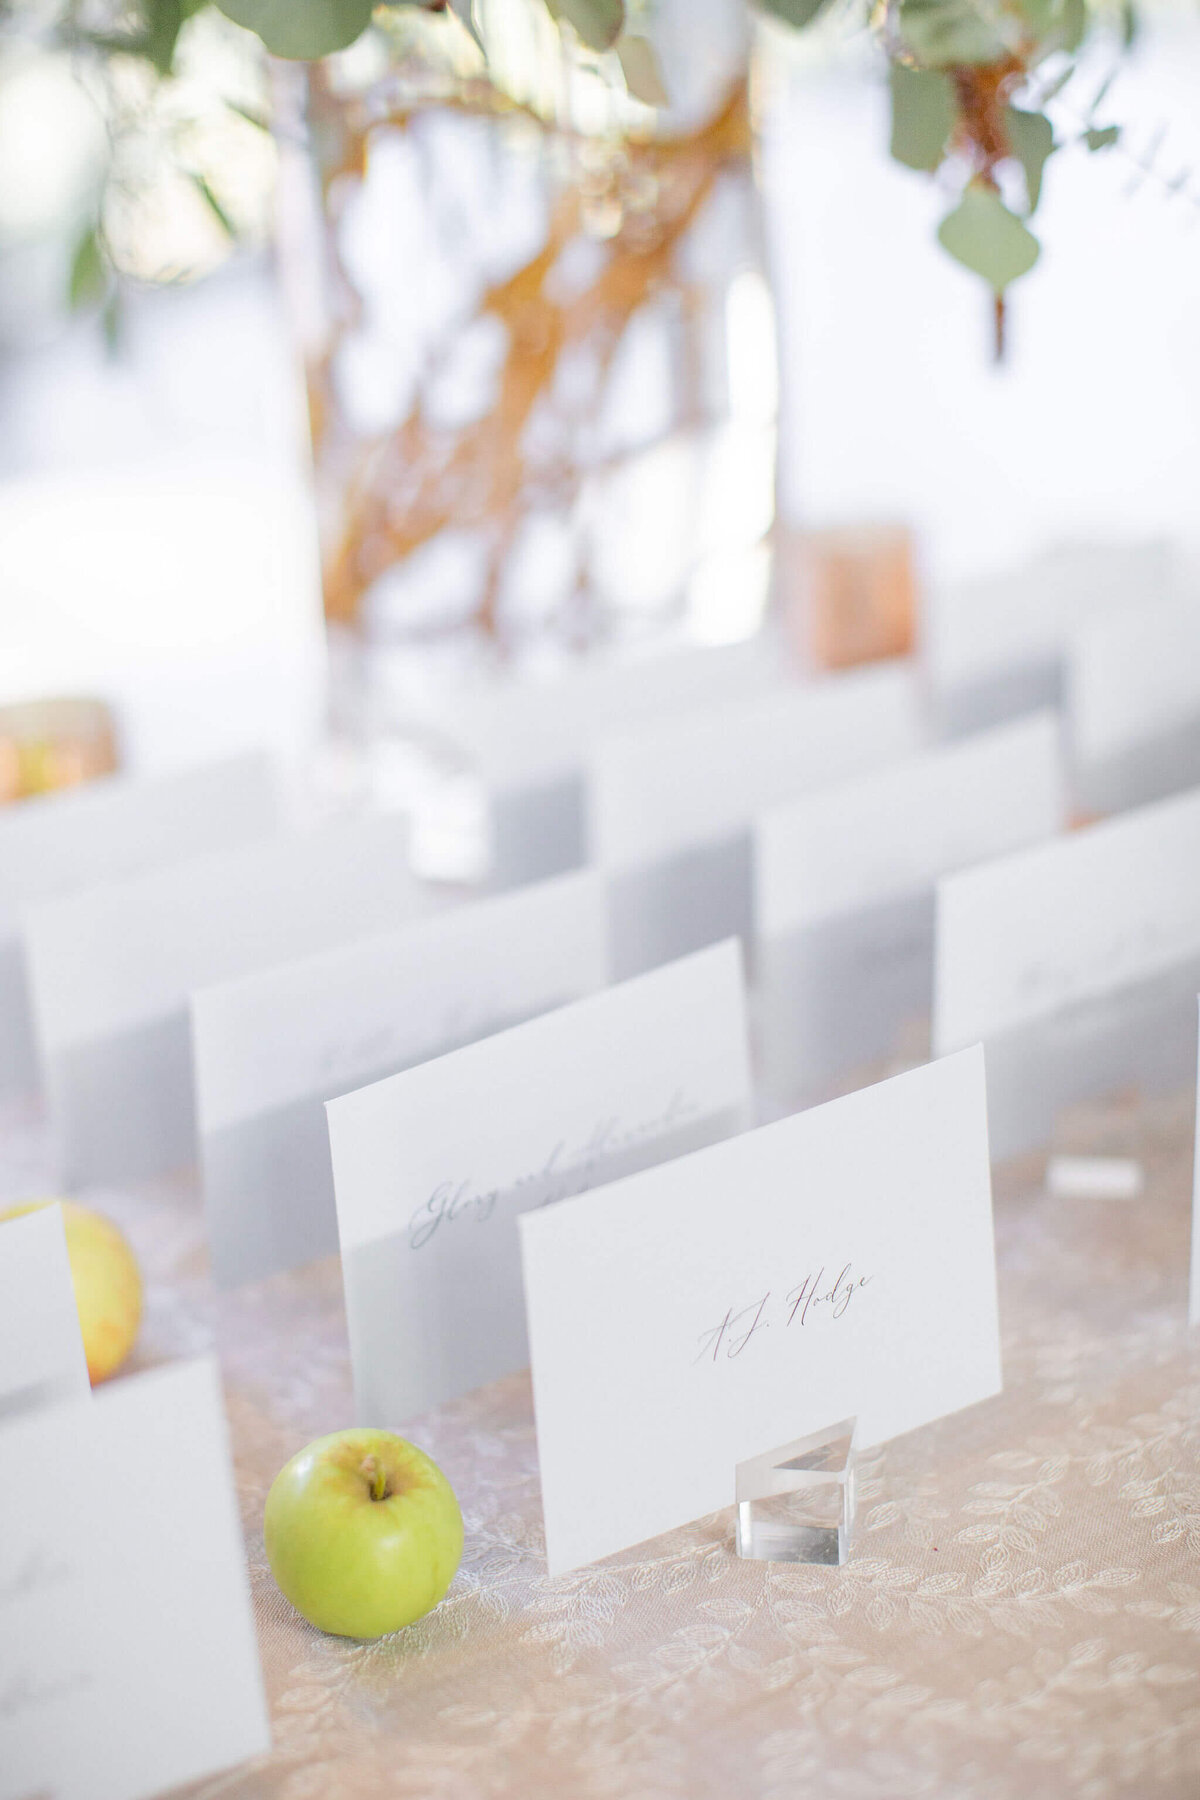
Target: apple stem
377, 1479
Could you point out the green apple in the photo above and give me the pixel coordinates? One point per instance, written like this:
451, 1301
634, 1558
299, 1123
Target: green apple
363, 1533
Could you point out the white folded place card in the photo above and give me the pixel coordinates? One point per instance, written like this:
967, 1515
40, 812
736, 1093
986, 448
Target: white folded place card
527, 741
838, 1263
111, 970
844, 893
128, 1658
41, 1347
1194, 1283
994, 647
104, 831
671, 804
432, 1166
1077, 963
1133, 705
271, 1048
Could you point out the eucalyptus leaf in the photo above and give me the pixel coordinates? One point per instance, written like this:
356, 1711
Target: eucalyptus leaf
986, 238
1032, 138
923, 114
639, 65
89, 274
797, 13
301, 30
1101, 137
599, 23
942, 33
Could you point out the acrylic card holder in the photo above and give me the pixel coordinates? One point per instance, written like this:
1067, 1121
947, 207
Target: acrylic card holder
797, 1503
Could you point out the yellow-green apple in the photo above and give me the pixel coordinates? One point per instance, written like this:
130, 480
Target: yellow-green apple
363, 1533
107, 1283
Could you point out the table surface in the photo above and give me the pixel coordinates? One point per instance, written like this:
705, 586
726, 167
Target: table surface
1019, 1617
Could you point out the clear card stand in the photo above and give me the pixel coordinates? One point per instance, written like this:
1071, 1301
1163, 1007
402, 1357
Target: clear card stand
796, 1504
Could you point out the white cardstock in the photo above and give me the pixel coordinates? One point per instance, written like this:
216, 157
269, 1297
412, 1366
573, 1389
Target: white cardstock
671, 804
1077, 963
1133, 705
128, 1657
432, 1166
1194, 1284
41, 1347
527, 742
111, 970
839, 1263
270, 1049
994, 647
844, 893
104, 831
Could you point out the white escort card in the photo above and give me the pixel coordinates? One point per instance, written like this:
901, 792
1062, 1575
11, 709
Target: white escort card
41, 1346
1194, 1283
1133, 705
1077, 963
271, 1048
837, 1264
844, 894
432, 1166
111, 969
128, 1657
527, 741
104, 831
671, 804
994, 647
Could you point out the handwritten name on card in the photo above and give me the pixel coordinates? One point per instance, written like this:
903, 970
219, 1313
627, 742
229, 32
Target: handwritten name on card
812, 1298
433, 1166
1067, 921
837, 1264
273, 1047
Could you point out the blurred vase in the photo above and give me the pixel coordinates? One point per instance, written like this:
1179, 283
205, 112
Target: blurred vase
538, 340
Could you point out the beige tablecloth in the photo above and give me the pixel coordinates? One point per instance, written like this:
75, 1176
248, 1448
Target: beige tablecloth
1019, 1619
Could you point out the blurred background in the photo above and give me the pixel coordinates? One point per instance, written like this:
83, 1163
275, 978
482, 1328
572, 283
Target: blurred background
345, 249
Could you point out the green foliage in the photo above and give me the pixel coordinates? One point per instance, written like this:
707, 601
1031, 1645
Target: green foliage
598, 23
88, 282
797, 13
639, 65
301, 29
922, 116
941, 33
1032, 138
1101, 137
986, 238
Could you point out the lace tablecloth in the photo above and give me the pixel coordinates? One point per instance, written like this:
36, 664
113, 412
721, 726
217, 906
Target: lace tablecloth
1019, 1618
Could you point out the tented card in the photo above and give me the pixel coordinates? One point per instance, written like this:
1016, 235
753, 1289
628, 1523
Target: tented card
1133, 704
839, 1263
111, 969
432, 1166
1077, 963
104, 831
41, 1348
1194, 1285
671, 804
844, 893
271, 1048
527, 741
994, 647
128, 1658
